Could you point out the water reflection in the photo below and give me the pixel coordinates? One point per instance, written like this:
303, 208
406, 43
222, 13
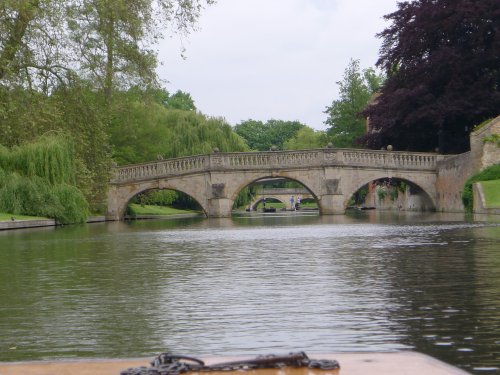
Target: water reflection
254, 284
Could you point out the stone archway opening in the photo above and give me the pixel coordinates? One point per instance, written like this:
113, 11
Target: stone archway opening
161, 202
271, 194
391, 194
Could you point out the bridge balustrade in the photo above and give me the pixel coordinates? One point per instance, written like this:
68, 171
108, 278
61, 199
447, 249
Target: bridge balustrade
274, 159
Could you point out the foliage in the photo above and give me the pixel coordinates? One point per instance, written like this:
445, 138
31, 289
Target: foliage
180, 100
494, 138
84, 116
244, 197
487, 174
156, 197
25, 115
45, 43
34, 196
75, 110
355, 90
37, 179
30, 52
306, 138
442, 59
262, 136
143, 130
381, 192
51, 158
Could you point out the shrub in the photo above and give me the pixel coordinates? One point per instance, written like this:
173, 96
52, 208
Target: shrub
37, 179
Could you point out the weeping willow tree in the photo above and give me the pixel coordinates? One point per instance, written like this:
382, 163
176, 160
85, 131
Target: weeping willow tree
39, 179
142, 130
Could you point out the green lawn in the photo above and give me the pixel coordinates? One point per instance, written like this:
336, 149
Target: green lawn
491, 191
137, 209
8, 217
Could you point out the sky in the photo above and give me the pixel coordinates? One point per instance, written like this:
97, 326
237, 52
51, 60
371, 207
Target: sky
272, 59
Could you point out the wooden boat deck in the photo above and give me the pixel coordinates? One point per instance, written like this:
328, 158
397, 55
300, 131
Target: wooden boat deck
401, 363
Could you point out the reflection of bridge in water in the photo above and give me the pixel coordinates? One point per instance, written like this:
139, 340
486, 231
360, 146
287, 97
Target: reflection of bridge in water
281, 194
331, 176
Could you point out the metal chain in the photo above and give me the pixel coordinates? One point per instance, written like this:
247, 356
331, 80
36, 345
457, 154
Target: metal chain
170, 364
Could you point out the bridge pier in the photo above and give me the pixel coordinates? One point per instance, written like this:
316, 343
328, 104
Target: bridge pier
219, 207
332, 204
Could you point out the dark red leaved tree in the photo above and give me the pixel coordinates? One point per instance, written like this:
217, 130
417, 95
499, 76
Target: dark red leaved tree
442, 59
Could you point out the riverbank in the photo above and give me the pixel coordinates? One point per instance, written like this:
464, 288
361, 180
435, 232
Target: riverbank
15, 223
408, 363
10, 222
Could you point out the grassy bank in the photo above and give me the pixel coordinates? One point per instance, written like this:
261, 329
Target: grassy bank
8, 217
137, 209
491, 191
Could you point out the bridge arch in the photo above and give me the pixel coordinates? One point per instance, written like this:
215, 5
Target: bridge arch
331, 175
126, 194
386, 176
255, 203
290, 176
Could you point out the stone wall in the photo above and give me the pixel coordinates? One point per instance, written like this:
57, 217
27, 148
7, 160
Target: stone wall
409, 200
453, 171
485, 154
480, 202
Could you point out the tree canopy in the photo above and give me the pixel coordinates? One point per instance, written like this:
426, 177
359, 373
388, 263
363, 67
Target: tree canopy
345, 123
262, 136
145, 127
306, 138
62, 63
44, 43
442, 59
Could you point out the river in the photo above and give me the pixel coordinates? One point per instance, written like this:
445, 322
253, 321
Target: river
255, 284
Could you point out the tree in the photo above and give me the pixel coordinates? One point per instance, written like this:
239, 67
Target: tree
61, 61
262, 136
306, 138
180, 100
109, 42
31, 52
442, 58
143, 129
345, 123
115, 37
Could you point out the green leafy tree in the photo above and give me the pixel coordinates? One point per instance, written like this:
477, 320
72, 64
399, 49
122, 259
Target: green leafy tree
306, 138
32, 47
345, 123
181, 100
115, 37
262, 136
39, 179
143, 130
110, 42
61, 62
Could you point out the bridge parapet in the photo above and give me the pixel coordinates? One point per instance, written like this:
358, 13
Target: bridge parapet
403, 160
283, 191
275, 160
160, 168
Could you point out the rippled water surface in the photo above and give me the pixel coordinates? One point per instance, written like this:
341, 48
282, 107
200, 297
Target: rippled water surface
255, 284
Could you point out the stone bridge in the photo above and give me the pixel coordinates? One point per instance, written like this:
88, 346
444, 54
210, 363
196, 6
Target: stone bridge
282, 195
330, 175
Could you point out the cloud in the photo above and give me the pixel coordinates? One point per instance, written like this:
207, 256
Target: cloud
280, 59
